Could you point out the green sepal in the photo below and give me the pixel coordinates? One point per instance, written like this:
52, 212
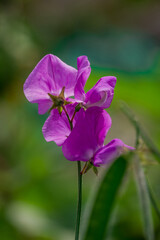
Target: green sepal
53, 107
60, 109
67, 102
58, 101
78, 107
95, 170
62, 93
88, 165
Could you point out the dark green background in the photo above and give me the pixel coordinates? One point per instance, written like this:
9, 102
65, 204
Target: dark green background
38, 188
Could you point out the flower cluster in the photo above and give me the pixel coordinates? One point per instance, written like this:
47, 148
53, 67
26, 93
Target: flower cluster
78, 124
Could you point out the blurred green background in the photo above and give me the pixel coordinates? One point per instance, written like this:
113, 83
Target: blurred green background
38, 188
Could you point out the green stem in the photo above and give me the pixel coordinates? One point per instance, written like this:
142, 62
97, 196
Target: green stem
69, 120
79, 183
79, 201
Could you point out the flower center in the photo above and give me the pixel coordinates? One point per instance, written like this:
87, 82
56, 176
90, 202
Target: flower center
58, 101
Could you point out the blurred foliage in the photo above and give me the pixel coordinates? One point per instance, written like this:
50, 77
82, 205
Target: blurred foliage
95, 227
38, 191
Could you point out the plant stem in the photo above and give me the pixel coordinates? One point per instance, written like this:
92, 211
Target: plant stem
79, 183
69, 120
73, 116
79, 201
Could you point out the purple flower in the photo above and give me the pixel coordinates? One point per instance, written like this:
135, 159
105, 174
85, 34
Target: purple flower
52, 82
102, 92
85, 142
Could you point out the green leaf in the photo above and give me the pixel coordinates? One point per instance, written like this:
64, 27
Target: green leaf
144, 200
153, 201
148, 141
100, 210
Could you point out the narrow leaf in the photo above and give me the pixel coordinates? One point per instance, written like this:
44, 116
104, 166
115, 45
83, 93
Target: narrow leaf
148, 141
102, 204
144, 200
153, 201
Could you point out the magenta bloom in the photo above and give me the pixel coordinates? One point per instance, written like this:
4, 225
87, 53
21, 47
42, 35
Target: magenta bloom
51, 76
52, 82
86, 141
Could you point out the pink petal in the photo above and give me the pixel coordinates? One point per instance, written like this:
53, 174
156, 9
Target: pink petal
87, 135
49, 76
102, 93
44, 106
57, 128
110, 152
84, 70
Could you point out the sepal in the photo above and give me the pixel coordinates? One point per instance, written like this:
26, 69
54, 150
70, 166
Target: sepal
88, 165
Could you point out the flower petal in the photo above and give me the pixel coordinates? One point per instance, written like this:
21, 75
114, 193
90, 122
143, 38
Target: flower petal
64, 76
102, 93
44, 106
84, 70
110, 152
88, 134
57, 128
49, 76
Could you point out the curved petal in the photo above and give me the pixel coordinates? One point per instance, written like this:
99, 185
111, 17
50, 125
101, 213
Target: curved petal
64, 76
49, 76
56, 128
102, 93
84, 70
110, 152
88, 134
